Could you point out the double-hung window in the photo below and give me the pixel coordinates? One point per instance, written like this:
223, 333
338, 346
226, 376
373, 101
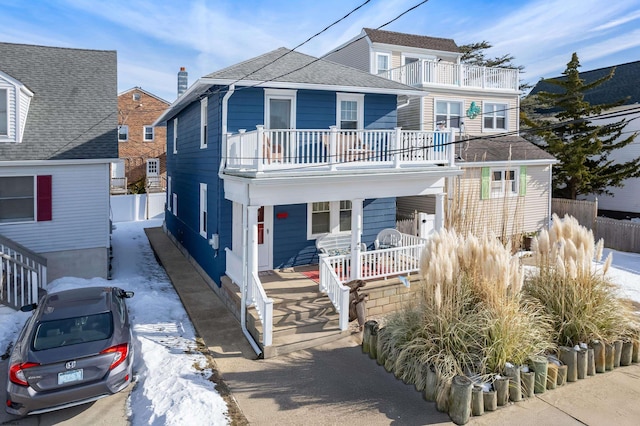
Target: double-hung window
203, 122
350, 109
329, 217
123, 133
449, 112
203, 210
148, 133
17, 199
508, 182
383, 61
494, 116
4, 113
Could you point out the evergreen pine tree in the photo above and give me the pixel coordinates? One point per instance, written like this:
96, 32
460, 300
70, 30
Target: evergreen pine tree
563, 126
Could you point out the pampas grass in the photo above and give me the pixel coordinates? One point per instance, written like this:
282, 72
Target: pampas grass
581, 301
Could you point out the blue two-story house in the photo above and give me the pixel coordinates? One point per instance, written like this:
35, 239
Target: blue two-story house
268, 156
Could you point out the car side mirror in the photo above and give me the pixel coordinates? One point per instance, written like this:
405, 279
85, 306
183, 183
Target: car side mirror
127, 294
28, 308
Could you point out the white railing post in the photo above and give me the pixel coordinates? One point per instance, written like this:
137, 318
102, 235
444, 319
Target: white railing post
439, 221
333, 150
344, 308
267, 323
397, 147
451, 148
260, 148
356, 238
461, 70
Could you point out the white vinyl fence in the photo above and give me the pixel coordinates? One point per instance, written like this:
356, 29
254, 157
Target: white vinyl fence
134, 207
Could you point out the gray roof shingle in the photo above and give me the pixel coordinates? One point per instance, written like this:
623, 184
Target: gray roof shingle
624, 84
500, 148
74, 110
296, 67
412, 40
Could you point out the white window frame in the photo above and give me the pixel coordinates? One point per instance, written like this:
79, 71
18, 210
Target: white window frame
359, 99
288, 94
334, 220
203, 210
175, 135
174, 204
144, 133
376, 68
126, 133
204, 121
34, 198
505, 106
448, 119
6, 112
169, 194
503, 191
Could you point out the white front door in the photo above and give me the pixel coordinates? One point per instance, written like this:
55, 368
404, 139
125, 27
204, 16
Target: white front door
265, 240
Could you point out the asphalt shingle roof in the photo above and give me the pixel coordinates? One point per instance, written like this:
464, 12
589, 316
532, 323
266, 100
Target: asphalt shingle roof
296, 67
625, 83
501, 148
74, 110
412, 40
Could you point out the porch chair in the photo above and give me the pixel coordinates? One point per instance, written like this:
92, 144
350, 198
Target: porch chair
349, 147
387, 238
271, 153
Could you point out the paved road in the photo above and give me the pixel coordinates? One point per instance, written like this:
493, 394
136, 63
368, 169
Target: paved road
104, 412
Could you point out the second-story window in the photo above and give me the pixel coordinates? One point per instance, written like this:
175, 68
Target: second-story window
382, 62
148, 133
494, 116
4, 113
123, 133
449, 112
350, 111
203, 122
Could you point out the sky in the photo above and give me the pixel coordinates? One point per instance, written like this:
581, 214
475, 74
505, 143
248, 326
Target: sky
154, 38
170, 390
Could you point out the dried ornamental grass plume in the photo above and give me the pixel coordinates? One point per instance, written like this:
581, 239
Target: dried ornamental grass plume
599, 250
607, 263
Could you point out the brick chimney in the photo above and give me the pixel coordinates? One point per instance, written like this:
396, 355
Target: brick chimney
183, 81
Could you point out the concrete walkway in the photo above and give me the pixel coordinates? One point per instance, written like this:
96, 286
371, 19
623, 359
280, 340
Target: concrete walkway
338, 384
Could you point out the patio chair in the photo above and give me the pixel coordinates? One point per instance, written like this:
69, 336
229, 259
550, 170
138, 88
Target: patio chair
388, 238
271, 153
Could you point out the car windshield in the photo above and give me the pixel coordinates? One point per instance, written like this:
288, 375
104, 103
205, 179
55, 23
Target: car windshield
70, 331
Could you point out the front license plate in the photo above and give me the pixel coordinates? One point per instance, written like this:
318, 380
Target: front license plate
69, 376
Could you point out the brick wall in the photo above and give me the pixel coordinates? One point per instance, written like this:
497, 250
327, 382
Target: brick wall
135, 151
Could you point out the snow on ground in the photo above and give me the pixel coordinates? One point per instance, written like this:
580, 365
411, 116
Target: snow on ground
172, 385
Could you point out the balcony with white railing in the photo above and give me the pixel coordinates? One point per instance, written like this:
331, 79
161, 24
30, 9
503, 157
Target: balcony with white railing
441, 73
295, 150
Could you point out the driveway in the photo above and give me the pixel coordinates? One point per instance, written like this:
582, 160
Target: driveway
104, 412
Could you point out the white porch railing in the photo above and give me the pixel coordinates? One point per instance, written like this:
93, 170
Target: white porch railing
336, 270
451, 74
264, 307
256, 296
22, 273
331, 284
313, 149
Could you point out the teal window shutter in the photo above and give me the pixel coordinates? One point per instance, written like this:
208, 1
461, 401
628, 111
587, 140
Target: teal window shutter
486, 183
523, 181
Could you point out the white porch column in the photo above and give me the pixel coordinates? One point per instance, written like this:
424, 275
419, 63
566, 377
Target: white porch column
439, 211
356, 238
252, 250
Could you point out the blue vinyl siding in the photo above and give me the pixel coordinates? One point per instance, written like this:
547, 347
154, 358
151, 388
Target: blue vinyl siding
290, 244
193, 165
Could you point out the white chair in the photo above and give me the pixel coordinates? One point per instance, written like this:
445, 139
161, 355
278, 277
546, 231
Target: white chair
387, 238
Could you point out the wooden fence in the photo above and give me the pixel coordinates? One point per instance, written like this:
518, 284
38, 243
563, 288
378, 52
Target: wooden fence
621, 235
583, 210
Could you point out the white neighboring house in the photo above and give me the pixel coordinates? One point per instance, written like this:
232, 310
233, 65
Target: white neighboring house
58, 136
625, 84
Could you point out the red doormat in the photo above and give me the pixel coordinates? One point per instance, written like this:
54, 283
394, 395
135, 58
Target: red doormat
312, 275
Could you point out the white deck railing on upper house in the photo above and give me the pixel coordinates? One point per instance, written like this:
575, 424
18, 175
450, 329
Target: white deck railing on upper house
426, 72
22, 274
293, 149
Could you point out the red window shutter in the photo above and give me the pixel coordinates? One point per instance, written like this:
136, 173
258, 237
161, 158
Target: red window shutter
44, 198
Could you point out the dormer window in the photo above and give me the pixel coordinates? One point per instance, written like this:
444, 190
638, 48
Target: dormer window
4, 113
14, 107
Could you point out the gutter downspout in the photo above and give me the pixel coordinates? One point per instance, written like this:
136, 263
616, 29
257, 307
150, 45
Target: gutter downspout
245, 225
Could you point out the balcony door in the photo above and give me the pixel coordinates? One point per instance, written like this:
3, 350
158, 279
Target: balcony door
279, 114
